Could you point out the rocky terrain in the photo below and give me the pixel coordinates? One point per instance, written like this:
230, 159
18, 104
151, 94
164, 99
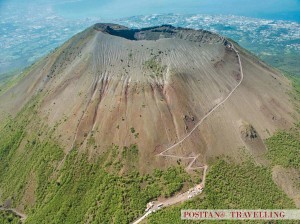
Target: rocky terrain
125, 95
150, 87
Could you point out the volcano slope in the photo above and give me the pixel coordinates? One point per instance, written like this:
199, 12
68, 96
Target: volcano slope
151, 89
122, 96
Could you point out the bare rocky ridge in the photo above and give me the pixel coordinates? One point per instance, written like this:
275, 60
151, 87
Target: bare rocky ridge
115, 85
159, 32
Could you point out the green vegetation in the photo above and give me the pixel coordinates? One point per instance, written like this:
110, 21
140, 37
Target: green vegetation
296, 86
8, 218
246, 185
130, 55
230, 185
67, 195
130, 157
295, 94
132, 130
107, 198
109, 189
284, 149
81, 190
284, 146
288, 61
33, 161
91, 140
78, 199
171, 180
130, 151
243, 186
154, 65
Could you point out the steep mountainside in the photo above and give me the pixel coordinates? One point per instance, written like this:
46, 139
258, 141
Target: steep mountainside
113, 85
117, 96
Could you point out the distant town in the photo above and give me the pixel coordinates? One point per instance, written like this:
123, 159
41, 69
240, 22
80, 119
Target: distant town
25, 38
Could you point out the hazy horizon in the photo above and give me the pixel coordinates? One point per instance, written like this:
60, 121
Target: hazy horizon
106, 10
31, 29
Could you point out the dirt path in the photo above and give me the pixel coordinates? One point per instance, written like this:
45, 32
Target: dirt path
209, 113
185, 196
14, 211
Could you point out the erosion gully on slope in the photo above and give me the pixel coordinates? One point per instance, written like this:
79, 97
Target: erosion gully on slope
201, 121
172, 200
194, 158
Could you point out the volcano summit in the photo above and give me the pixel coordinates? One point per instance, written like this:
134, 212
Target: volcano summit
126, 96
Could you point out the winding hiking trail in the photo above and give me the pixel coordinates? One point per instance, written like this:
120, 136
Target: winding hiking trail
185, 196
203, 119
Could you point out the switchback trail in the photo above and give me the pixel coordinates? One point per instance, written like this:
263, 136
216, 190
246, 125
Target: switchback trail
206, 116
184, 196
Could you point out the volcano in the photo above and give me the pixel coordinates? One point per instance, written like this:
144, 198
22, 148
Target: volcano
117, 117
113, 85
